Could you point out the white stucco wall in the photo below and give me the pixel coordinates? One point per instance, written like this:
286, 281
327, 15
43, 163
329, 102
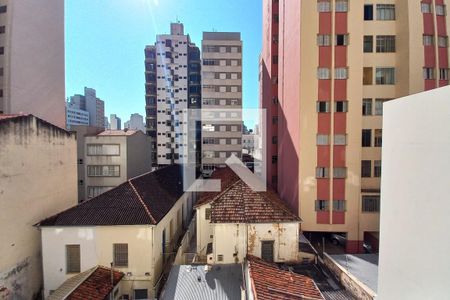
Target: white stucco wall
204, 230
415, 206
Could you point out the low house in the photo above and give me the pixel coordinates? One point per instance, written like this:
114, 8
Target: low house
135, 226
238, 221
97, 283
266, 281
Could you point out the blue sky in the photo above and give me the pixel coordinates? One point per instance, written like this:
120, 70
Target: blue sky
105, 42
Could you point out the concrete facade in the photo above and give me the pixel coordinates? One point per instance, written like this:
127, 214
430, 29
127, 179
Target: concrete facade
415, 206
75, 116
37, 179
116, 122
113, 157
136, 122
92, 104
355, 56
32, 77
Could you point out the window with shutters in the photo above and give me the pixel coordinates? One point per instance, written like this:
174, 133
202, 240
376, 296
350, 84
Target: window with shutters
366, 168
341, 5
443, 41
339, 172
338, 205
323, 6
341, 73
120, 252
370, 203
341, 40
341, 106
443, 74
73, 259
322, 172
321, 205
208, 213
322, 139
425, 7
323, 106
440, 10
323, 73
323, 40
340, 139
428, 73
428, 40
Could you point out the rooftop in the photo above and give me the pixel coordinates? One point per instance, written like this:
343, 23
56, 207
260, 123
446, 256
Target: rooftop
118, 132
270, 282
193, 282
93, 284
145, 199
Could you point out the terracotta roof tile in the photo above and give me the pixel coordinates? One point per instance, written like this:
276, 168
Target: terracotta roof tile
227, 178
145, 199
271, 283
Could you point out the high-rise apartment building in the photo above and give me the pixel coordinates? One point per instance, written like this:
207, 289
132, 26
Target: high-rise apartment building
221, 98
116, 122
136, 122
32, 69
172, 73
90, 103
76, 116
334, 63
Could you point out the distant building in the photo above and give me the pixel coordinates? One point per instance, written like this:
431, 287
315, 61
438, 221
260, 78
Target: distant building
136, 226
75, 116
97, 283
136, 122
116, 122
414, 219
32, 59
38, 178
248, 143
172, 74
107, 125
112, 157
221, 91
238, 221
90, 103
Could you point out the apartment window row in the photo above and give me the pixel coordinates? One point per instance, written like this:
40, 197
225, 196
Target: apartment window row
221, 141
222, 49
219, 154
228, 113
222, 62
428, 40
325, 6
384, 12
221, 75
339, 40
370, 203
94, 191
366, 168
224, 102
103, 171
221, 128
222, 89
370, 109
339, 73
324, 106
366, 138
103, 149
324, 139
323, 205
430, 73
324, 172
384, 43
383, 76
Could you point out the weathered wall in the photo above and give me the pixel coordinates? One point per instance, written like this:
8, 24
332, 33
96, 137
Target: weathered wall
139, 154
204, 230
38, 175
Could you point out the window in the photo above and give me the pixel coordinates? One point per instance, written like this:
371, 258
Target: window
443, 41
323, 6
367, 75
367, 107
2, 50
366, 168
103, 171
385, 76
72, 258
274, 159
220, 257
340, 139
440, 10
274, 140
341, 106
378, 136
428, 73
323, 106
322, 139
120, 255
385, 43
368, 12
443, 74
341, 5
428, 40
379, 106
275, 59
366, 138
425, 7
339, 172
99, 149
323, 73
341, 40
322, 172
338, 205
385, 12
368, 44
2, 29
377, 168
3, 9
94, 191
370, 203
341, 73
140, 294
322, 205
323, 40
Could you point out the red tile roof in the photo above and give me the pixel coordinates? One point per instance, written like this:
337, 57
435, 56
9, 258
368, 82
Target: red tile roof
227, 178
268, 282
97, 286
145, 199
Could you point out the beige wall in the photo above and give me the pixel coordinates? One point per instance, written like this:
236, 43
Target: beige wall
34, 67
38, 176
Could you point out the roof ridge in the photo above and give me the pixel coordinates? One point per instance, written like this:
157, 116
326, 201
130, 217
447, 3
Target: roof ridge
142, 202
223, 192
278, 204
91, 271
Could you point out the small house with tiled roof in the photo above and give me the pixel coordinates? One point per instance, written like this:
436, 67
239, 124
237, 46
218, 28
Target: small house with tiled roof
136, 226
238, 221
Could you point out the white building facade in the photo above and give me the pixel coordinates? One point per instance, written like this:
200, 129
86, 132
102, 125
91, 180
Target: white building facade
92, 104
75, 116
